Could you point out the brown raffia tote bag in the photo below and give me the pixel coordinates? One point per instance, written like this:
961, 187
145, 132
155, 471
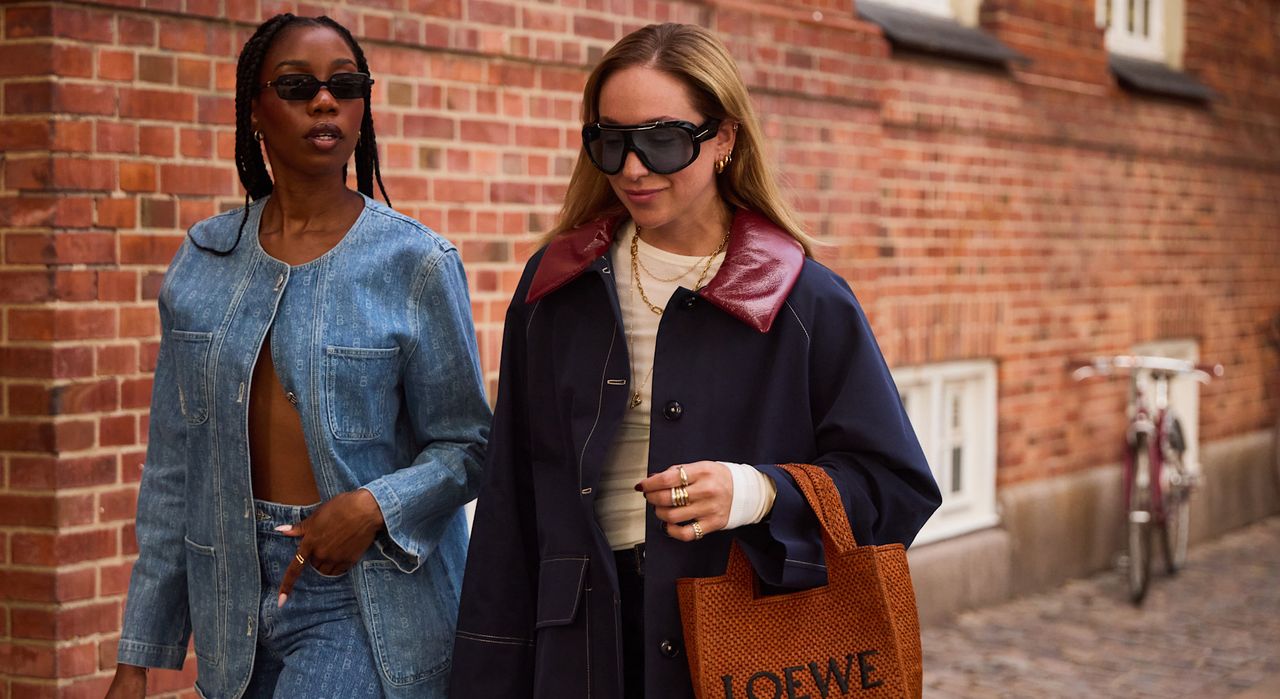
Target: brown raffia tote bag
859, 636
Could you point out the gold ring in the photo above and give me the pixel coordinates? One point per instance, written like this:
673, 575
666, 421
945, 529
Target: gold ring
684, 477
673, 497
298, 557
697, 529
680, 496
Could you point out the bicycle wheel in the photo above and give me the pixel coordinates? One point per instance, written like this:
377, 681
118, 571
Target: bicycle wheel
1176, 490
1138, 524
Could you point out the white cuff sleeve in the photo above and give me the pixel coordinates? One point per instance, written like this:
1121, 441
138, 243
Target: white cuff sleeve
753, 494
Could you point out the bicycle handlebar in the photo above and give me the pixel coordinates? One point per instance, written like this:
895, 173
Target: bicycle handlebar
1105, 366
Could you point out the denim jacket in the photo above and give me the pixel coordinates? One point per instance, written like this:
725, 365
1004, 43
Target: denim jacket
375, 344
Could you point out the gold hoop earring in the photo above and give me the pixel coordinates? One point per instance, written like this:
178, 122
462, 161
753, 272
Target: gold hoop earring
723, 163
257, 135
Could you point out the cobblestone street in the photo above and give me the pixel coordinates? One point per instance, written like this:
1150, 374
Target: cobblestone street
1211, 631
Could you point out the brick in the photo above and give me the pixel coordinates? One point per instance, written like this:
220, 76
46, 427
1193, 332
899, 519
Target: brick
26, 60
17, 136
159, 213
117, 213
29, 473
153, 68
116, 137
72, 61
25, 22
196, 143
139, 322
69, 23
28, 510
75, 285
60, 248
89, 397
25, 287
117, 285
137, 31
195, 179
118, 505
156, 140
159, 105
135, 393
138, 177
61, 323
72, 136
194, 72
149, 250
117, 360
66, 622
116, 65
121, 430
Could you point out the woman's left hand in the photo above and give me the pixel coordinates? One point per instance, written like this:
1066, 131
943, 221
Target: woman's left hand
710, 488
334, 537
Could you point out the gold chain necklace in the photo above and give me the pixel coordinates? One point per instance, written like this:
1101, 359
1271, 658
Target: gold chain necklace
635, 268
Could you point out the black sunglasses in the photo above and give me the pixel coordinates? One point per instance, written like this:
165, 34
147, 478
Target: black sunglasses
301, 86
663, 147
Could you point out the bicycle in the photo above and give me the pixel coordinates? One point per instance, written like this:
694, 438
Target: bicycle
1157, 480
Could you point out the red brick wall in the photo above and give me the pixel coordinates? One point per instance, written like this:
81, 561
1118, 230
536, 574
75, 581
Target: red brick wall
1023, 216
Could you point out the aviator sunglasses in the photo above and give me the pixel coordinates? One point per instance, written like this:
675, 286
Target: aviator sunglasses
301, 86
663, 147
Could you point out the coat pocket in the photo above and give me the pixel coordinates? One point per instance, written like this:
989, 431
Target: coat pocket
562, 651
191, 359
360, 383
560, 581
205, 600
411, 618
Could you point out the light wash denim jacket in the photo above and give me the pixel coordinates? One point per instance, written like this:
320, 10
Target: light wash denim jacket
377, 346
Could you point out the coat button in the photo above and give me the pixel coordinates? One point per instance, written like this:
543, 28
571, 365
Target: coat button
690, 302
673, 411
669, 648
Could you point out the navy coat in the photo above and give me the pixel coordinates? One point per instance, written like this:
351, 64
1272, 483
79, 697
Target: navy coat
772, 362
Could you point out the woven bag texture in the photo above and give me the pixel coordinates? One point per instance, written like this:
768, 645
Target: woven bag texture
858, 636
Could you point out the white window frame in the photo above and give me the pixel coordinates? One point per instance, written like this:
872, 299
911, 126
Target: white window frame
963, 11
940, 8
928, 391
1184, 392
1132, 38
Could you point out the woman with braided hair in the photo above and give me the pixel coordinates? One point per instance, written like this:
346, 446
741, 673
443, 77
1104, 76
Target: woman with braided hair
318, 416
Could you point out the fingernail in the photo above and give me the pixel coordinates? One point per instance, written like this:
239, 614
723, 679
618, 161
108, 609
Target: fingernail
280, 603
285, 528
638, 488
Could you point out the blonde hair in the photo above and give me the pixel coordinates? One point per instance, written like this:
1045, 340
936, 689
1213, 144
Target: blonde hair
698, 59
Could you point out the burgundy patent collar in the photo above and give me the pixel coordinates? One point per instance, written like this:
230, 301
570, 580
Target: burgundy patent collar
762, 264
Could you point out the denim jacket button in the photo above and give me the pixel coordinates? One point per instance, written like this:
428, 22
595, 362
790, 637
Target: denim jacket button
279, 282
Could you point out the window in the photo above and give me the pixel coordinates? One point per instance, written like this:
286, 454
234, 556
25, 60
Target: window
1134, 27
941, 8
952, 407
1184, 392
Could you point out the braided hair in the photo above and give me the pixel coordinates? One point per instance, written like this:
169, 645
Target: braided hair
250, 165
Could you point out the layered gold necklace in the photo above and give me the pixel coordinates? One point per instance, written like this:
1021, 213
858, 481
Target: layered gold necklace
636, 267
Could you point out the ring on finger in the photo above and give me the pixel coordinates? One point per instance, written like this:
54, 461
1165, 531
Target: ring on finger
697, 529
298, 557
684, 477
679, 496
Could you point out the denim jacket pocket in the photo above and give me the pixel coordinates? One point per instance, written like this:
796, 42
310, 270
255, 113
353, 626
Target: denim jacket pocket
205, 596
412, 618
191, 355
359, 382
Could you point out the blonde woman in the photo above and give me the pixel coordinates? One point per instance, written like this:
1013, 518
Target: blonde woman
670, 345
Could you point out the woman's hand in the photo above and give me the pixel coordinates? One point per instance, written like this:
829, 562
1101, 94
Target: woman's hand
710, 488
334, 537
130, 682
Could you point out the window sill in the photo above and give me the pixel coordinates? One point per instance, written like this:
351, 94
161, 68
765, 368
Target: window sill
919, 31
1155, 78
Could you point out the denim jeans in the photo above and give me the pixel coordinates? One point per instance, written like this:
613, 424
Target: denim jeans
316, 645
